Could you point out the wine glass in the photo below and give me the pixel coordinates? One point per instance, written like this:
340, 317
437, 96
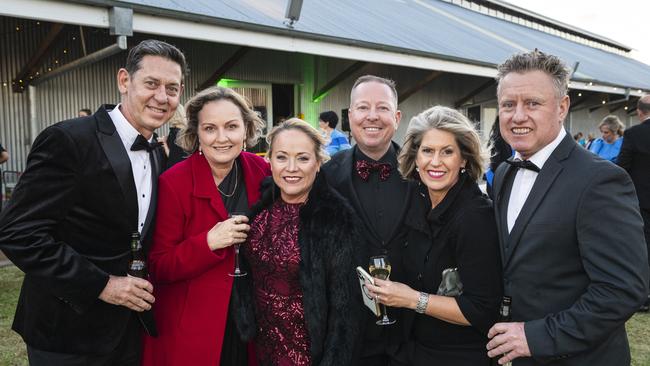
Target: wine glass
380, 268
238, 272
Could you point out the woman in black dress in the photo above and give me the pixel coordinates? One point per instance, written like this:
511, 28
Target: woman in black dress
451, 229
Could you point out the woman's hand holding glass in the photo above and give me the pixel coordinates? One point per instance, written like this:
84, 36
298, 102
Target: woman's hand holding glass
394, 294
228, 232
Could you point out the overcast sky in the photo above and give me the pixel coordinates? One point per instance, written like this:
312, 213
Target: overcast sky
619, 20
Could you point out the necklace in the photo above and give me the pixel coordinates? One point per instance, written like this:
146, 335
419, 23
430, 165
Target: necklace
234, 189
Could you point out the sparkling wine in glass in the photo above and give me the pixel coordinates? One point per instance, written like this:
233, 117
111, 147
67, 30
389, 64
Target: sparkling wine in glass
238, 272
380, 268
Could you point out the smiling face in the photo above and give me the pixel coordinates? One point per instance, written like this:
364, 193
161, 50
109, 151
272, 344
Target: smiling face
439, 161
294, 164
530, 114
221, 133
373, 117
151, 94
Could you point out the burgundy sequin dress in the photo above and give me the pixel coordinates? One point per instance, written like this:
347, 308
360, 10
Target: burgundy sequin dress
274, 257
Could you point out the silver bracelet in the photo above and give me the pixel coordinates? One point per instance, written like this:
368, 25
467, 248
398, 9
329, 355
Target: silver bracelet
423, 301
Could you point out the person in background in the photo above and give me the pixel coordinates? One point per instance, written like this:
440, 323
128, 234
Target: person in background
500, 151
174, 152
89, 184
300, 254
590, 140
579, 138
4, 156
573, 252
635, 159
336, 139
442, 155
192, 251
363, 174
84, 112
609, 146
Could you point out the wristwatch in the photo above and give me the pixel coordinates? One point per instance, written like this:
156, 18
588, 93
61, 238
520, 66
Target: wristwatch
421, 307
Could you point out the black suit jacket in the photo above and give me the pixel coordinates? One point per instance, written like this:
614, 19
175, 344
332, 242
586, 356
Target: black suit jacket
68, 228
635, 159
575, 261
339, 172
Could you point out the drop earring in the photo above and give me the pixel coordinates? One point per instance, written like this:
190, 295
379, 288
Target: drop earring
200, 152
462, 170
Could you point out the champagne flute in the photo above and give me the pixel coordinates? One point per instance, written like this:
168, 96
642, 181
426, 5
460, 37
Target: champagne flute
238, 272
380, 268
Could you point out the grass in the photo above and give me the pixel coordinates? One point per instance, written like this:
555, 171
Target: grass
12, 348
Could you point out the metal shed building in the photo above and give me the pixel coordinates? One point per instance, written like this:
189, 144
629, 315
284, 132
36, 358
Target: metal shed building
438, 52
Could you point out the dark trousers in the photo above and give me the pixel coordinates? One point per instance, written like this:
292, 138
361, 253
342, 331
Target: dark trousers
645, 213
127, 353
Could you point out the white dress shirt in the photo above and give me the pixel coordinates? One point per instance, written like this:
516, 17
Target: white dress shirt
140, 163
525, 179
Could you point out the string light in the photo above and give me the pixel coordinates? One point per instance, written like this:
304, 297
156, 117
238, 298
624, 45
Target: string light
603, 102
579, 94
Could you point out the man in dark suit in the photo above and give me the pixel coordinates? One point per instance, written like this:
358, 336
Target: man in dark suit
573, 253
367, 176
90, 183
635, 159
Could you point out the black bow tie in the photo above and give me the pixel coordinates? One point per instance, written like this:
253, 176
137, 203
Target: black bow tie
525, 164
141, 143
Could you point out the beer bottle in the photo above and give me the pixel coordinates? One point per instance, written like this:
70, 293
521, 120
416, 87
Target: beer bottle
504, 317
138, 264
504, 310
138, 268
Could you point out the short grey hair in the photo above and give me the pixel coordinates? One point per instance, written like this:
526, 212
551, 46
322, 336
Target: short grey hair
443, 119
537, 61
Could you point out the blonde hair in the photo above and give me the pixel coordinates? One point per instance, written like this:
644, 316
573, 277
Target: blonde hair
613, 123
444, 119
188, 138
178, 119
304, 127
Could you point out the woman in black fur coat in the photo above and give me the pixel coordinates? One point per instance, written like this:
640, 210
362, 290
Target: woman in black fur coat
298, 301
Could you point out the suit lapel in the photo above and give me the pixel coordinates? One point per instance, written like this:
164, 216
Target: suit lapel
549, 173
502, 187
347, 190
117, 156
204, 186
156, 158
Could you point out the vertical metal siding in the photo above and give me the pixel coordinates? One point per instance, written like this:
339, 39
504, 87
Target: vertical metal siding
15, 49
93, 85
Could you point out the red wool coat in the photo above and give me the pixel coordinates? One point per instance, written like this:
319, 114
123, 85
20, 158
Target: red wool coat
191, 282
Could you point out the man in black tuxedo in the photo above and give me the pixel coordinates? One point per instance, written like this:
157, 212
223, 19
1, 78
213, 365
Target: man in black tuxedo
573, 253
367, 176
635, 159
89, 183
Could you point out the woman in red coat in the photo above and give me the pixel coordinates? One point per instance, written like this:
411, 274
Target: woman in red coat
192, 251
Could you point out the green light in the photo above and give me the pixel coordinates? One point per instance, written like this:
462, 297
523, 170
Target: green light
226, 83
318, 98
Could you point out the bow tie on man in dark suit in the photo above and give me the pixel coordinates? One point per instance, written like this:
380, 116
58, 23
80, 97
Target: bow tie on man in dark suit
365, 167
523, 164
141, 143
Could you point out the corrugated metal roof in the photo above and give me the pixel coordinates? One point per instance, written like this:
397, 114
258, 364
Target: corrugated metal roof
428, 27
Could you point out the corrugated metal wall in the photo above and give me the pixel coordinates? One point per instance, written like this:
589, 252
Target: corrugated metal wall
92, 85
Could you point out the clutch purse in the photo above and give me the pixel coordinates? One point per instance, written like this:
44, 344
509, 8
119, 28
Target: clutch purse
450, 285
